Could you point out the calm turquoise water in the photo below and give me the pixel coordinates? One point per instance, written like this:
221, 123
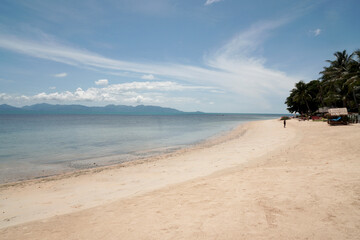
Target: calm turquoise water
40, 145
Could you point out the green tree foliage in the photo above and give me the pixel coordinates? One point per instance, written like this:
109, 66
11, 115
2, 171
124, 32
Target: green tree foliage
338, 86
304, 98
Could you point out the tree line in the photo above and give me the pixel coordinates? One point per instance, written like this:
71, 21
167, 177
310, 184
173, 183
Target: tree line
338, 86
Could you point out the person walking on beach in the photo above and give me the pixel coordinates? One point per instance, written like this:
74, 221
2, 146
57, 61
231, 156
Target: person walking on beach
284, 123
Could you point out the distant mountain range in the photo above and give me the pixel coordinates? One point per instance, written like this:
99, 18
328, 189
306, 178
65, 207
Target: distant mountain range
44, 108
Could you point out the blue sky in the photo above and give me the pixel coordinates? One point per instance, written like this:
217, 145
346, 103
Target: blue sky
206, 55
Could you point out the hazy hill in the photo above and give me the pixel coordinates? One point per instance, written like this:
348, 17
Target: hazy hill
45, 108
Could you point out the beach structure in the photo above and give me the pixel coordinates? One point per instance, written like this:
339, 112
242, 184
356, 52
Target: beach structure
322, 111
337, 116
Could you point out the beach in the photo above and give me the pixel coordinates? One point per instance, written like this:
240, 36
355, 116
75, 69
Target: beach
259, 181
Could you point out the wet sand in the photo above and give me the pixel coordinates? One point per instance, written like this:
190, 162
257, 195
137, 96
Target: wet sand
261, 181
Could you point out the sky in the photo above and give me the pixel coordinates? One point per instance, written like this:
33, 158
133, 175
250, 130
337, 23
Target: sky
228, 56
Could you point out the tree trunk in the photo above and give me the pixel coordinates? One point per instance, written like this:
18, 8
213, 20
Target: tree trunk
344, 101
307, 105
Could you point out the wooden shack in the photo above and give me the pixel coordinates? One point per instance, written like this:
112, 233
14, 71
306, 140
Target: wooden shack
337, 116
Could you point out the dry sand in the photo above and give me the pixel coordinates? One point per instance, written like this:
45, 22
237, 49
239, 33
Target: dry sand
259, 182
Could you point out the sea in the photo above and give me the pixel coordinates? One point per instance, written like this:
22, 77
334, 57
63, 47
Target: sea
38, 145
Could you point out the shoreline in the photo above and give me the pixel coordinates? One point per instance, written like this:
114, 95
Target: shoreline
28, 171
218, 138
98, 186
271, 182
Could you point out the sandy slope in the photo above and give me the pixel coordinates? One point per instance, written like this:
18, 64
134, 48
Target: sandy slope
261, 182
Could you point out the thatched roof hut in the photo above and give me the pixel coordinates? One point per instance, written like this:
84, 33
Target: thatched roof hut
323, 110
333, 112
338, 116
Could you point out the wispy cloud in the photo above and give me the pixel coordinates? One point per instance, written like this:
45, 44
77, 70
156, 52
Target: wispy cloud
316, 32
234, 67
102, 82
148, 77
60, 75
247, 73
209, 2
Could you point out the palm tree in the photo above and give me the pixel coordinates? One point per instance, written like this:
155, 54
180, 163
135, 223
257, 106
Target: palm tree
299, 98
338, 86
353, 79
334, 78
314, 88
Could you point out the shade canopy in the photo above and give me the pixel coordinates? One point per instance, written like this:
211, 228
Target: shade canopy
338, 111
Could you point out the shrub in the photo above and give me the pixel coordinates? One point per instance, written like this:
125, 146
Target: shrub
284, 118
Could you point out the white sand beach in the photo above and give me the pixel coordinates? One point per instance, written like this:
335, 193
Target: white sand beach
260, 181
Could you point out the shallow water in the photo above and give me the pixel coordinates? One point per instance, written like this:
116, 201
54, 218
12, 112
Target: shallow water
40, 145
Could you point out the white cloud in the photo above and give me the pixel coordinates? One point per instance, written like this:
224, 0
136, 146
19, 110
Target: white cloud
52, 88
316, 32
225, 63
102, 82
153, 86
245, 73
233, 68
148, 77
209, 2
139, 100
132, 92
60, 75
4, 97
